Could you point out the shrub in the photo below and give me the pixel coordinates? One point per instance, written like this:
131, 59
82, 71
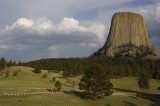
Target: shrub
37, 71
1, 73
44, 76
53, 79
15, 73
6, 74
58, 85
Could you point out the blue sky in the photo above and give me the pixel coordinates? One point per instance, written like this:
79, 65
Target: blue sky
34, 29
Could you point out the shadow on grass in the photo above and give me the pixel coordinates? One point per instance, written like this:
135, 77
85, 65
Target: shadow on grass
82, 95
125, 90
129, 104
154, 98
117, 77
61, 77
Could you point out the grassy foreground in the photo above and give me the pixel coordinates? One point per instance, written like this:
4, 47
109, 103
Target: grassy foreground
126, 91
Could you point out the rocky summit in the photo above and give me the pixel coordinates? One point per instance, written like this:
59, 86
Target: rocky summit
127, 37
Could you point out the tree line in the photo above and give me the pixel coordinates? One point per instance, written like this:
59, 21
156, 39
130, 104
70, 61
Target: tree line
113, 66
4, 63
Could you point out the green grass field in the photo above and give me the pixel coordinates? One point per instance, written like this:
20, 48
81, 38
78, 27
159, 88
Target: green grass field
125, 91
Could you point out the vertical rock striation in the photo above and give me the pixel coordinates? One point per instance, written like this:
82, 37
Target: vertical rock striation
127, 37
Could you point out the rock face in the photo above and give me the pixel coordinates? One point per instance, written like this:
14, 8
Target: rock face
127, 37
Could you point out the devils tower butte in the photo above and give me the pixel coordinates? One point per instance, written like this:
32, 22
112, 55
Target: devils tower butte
127, 37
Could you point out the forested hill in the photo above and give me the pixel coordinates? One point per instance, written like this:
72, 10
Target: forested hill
114, 66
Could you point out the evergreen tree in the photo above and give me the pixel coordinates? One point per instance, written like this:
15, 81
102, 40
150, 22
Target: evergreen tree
58, 85
19, 63
77, 66
67, 71
143, 81
6, 74
95, 82
10, 63
3, 63
14, 63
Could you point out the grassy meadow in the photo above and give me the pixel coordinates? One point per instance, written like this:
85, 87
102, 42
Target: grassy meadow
125, 90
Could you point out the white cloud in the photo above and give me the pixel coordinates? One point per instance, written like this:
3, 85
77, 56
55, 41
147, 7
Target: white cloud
23, 22
46, 37
4, 46
53, 51
68, 25
151, 12
44, 26
99, 30
94, 45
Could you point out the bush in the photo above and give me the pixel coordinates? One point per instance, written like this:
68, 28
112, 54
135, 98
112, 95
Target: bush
53, 79
1, 73
37, 71
108, 105
6, 74
15, 73
44, 76
19, 70
58, 85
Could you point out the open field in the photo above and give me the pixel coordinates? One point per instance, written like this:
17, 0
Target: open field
33, 91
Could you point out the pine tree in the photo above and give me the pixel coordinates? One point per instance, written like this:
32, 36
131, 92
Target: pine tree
95, 82
14, 63
10, 63
19, 63
3, 63
143, 81
58, 85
